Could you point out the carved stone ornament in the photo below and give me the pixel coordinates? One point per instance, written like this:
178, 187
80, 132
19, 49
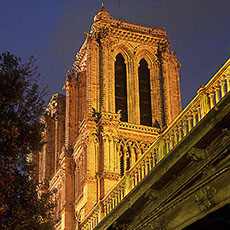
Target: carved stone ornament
68, 151
210, 170
159, 224
119, 226
203, 197
110, 175
89, 178
196, 154
152, 194
226, 131
99, 31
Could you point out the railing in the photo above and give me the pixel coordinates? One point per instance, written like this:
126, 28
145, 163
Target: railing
93, 218
207, 97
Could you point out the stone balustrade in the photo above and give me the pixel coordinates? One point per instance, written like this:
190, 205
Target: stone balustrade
114, 197
92, 219
206, 99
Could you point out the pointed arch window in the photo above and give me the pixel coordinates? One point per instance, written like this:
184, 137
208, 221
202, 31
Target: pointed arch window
144, 93
121, 87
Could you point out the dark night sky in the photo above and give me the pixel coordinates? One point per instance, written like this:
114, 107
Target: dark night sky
53, 30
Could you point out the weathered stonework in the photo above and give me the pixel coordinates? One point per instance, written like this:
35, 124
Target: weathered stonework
88, 148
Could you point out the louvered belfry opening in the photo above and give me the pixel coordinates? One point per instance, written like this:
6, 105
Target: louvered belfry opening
144, 93
121, 87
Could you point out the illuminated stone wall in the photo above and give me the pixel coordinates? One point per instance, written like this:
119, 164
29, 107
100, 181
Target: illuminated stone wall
88, 146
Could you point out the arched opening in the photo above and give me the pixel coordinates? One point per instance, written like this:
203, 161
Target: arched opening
121, 87
144, 93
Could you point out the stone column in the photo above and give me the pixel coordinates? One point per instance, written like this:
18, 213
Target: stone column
68, 178
104, 76
171, 86
156, 96
132, 94
49, 153
70, 125
136, 94
92, 73
175, 87
59, 118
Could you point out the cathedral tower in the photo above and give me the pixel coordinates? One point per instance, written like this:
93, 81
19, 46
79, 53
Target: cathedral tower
122, 92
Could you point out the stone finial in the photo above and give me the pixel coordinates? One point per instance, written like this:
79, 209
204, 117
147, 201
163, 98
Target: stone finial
103, 9
103, 14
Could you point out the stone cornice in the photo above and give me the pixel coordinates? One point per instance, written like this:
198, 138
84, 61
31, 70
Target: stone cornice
131, 28
138, 128
139, 37
114, 29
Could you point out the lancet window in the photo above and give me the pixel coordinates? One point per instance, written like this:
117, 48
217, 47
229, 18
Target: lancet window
121, 87
144, 93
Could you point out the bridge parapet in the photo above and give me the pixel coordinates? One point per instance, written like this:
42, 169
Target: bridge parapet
206, 99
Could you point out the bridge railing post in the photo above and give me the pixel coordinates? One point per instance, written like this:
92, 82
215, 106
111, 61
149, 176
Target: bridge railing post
128, 184
204, 101
162, 150
101, 211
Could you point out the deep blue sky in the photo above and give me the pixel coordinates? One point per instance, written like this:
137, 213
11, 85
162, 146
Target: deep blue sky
53, 30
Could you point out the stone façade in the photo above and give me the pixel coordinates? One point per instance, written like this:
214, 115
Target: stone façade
88, 148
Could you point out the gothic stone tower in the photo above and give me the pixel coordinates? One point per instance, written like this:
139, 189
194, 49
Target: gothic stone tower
123, 91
